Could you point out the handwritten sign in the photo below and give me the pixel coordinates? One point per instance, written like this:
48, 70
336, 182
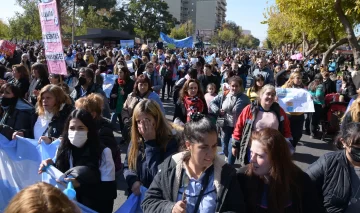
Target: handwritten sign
295, 100
51, 34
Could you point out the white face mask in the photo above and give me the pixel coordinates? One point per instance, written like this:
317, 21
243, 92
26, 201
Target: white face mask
77, 138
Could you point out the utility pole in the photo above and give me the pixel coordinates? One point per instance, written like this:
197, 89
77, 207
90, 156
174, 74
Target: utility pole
73, 23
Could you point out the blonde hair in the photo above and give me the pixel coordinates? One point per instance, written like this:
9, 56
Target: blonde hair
290, 82
266, 87
39, 198
60, 98
91, 103
355, 110
162, 128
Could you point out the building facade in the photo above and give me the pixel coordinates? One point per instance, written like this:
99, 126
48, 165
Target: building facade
206, 15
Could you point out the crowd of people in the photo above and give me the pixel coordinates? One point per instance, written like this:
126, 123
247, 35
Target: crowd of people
217, 94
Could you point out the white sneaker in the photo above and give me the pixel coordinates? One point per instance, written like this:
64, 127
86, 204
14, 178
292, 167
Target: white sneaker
226, 159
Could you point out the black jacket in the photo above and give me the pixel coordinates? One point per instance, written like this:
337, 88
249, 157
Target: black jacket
252, 186
106, 135
163, 192
329, 87
129, 87
149, 157
281, 78
94, 88
331, 175
57, 123
41, 83
205, 80
22, 83
17, 118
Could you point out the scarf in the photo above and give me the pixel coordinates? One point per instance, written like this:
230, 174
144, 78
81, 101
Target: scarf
193, 105
121, 82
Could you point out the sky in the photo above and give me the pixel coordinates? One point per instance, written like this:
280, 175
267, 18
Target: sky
246, 13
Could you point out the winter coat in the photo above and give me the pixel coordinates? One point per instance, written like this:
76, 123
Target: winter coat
329, 87
180, 110
163, 192
267, 73
94, 88
205, 80
149, 157
156, 81
57, 123
244, 126
241, 102
128, 88
331, 175
17, 118
23, 84
253, 187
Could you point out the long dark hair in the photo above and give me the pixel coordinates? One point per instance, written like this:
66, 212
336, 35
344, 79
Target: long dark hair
141, 79
257, 78
92, 143
41, 69
283, 173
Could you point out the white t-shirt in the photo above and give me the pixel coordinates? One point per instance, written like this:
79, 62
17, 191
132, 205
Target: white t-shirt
42, 123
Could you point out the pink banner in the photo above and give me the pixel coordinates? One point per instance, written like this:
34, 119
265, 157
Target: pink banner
7, 47
51, 34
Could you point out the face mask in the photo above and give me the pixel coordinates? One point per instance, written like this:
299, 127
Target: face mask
6, 102
355, 154
77, 138
82, 81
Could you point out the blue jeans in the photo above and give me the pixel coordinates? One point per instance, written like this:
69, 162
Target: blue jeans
226, 133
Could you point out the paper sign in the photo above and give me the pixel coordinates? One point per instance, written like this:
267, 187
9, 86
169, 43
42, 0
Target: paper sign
7, 47
295, 100
171, 46
51, 34
127, 43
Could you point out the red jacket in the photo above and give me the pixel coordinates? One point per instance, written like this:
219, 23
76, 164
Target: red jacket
243, 128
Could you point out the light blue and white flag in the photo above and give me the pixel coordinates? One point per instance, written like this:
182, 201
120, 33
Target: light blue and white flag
108, 84
19, 163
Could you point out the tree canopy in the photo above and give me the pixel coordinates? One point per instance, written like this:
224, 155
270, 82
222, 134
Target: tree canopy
184, 30
4, 30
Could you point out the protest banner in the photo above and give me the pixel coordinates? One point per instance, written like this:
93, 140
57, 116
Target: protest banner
19, 164
127, 43
6, 47
295, 100
51, 34
186, 42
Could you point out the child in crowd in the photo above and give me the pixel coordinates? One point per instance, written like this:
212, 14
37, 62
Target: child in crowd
211, 93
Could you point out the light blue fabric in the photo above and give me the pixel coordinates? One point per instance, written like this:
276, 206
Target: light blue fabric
19, 164
192, 191
22, 105
108, 84
186, 42
155, 97
132, 204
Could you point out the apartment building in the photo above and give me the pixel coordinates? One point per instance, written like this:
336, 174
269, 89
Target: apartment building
207, 15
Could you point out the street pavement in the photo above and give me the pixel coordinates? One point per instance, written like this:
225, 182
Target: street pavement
307, 151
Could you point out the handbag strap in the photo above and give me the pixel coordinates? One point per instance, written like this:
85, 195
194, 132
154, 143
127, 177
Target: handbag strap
205, 182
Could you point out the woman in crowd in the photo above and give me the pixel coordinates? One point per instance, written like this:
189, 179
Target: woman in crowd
55, 79
41, 197
229, 106
80, 62
20, 79
348, 89
166, 71
296, 119
93, 104
71, 79
353, 113
154, 77
316, 90
25, 62
142, 90
123, 86
195, 180
191, 100
39, 80
253, 91
88, 162
16, 113
260, 114
151, 143
272, 182
139, 67
337, 174
52, 109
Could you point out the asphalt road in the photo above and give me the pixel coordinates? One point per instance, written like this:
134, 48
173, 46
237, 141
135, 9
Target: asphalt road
307, 151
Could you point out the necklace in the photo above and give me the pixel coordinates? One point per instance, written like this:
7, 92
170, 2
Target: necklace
354, 199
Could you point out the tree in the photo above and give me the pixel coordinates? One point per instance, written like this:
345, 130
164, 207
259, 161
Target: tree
227, 37
4, 30
148, 18
26, 24
184, 30
267, 44
248, 41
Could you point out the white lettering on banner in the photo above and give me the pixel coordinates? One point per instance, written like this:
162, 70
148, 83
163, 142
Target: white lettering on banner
51, 37
54, 56
47, 14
